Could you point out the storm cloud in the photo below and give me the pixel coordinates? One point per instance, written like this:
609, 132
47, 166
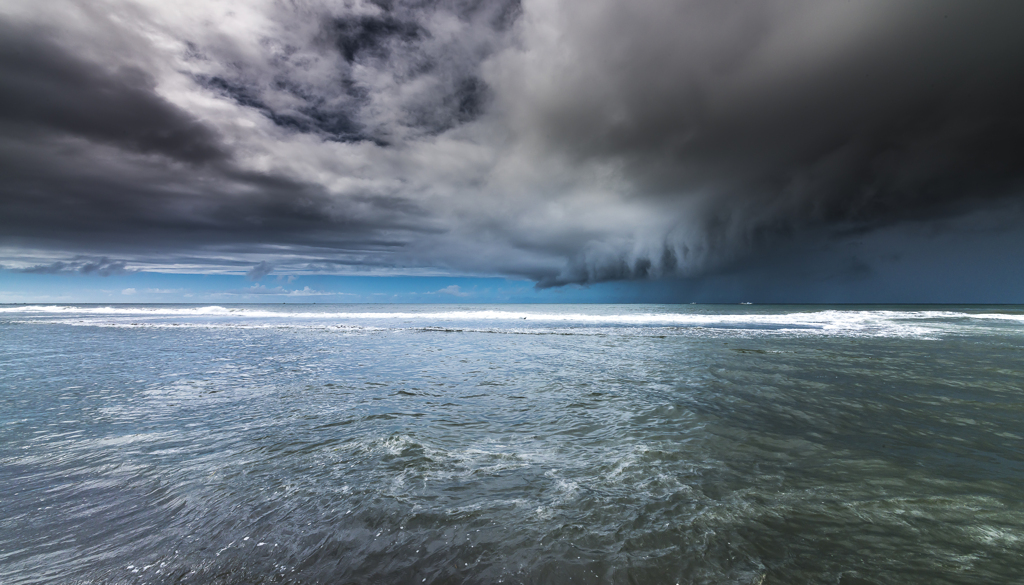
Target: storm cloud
563, 142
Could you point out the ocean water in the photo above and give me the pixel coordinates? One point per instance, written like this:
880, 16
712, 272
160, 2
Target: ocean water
511, 444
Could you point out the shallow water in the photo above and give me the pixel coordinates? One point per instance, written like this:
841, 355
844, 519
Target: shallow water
513, 443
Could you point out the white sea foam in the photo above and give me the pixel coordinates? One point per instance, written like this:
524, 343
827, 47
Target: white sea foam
200, 325
913, 323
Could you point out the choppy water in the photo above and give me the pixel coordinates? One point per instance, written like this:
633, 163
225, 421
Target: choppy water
516, 444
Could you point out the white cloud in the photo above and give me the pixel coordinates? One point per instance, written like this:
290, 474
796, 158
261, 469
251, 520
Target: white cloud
453, 290
260, 289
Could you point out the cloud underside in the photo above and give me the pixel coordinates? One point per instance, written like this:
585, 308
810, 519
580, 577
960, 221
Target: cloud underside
560, 142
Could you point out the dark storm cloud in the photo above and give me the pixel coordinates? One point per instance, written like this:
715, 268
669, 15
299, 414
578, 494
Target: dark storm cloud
334, 123
400, 71
77, 175
767, 119
362, 36
45, 87
564, 142
90, 197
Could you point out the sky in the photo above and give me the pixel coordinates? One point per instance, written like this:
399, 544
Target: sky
832, 151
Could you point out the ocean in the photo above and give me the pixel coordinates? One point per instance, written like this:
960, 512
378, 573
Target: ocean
560, 444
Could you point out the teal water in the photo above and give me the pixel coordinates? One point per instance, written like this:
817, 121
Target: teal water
512, 444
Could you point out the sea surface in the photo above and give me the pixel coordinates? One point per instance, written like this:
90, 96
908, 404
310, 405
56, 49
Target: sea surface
400, 444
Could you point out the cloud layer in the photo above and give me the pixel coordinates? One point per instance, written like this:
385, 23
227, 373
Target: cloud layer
556, 141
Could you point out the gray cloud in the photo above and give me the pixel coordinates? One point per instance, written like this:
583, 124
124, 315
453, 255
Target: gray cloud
80, 265
755, 120
46, 88
380, 71
259, 271
563, 142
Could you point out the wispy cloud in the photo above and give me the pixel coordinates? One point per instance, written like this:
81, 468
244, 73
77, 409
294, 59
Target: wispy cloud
453, 290
260, 289
80, 265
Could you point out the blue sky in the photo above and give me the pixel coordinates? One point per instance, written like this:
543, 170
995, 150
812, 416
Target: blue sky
153, 287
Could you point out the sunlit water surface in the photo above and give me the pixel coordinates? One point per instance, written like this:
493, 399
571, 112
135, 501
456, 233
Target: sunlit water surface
511, 444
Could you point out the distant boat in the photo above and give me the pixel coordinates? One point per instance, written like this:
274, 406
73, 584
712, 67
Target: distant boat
746, 303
